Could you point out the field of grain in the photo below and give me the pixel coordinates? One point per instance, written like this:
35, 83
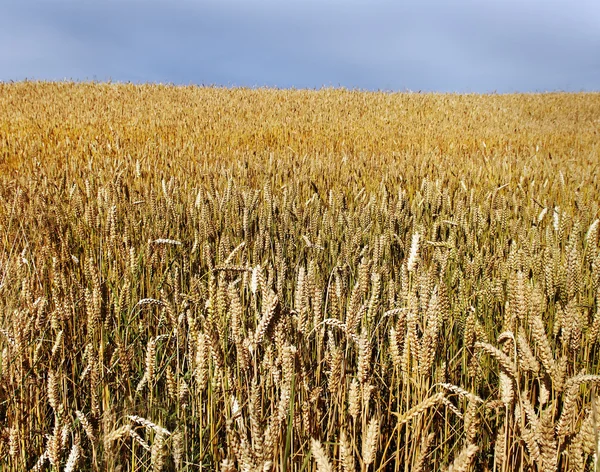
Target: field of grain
255, 280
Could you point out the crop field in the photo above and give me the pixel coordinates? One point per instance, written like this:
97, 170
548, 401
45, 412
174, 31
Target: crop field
292, 280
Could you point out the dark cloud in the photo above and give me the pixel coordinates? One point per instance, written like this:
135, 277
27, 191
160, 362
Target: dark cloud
466, 46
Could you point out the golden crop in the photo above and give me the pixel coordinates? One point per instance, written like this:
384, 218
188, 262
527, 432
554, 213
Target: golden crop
249, 280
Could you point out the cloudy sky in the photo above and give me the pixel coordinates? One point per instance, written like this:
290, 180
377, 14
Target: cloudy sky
450, 46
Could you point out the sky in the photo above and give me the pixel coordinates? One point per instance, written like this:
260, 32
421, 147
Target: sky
445, 46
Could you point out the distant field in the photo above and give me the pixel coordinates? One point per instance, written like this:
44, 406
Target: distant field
249, 280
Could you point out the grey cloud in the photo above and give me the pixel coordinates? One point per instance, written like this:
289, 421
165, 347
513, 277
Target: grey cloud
468, 46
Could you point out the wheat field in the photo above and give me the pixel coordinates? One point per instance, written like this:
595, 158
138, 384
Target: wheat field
254, 280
